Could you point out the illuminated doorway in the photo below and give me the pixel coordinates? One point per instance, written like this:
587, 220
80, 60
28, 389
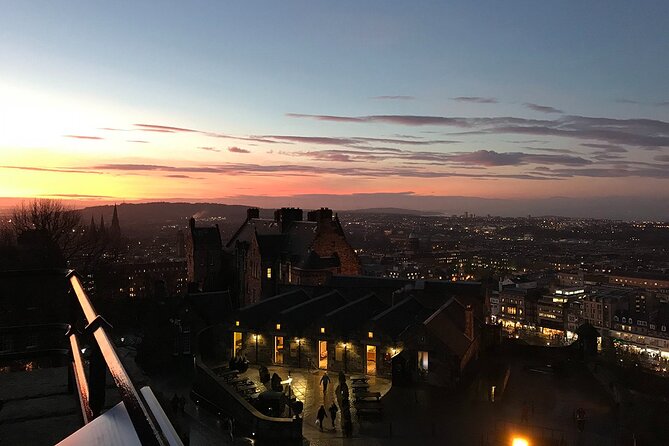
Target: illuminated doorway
422, 362
278, 349
371, 359
236, 344
323, 355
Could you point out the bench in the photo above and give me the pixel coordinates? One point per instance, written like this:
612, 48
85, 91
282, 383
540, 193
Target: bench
361, 396
360, 387
368, 411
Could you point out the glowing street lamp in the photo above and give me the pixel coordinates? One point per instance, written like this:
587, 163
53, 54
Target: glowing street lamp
520, 442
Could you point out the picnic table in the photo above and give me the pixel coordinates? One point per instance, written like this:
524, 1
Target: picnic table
359, 379
228, 374
236, 381
360, 387
364, 408
247, 388
367, 396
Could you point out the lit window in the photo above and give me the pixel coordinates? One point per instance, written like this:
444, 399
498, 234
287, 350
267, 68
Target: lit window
370, 334
322, 329
269, 273
236, 323
278, 326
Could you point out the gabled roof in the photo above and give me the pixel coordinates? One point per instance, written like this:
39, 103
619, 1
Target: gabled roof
447, 325
305, 313
262, 226
354, 315
260, 313
270, 245
206, 236
397, 318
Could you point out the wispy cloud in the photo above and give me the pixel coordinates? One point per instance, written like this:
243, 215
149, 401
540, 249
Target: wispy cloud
632, 101
51, 169
648, 133
235, 149
210, 149
138, 141
164, 128
542, 108
394, 98
84, 137
475, 99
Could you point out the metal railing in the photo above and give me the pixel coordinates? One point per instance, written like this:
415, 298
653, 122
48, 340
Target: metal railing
90, 375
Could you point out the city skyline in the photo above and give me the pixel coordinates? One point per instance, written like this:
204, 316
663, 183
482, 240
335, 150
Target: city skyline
230, 102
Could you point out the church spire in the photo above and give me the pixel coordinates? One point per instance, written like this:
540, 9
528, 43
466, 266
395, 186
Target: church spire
115, 228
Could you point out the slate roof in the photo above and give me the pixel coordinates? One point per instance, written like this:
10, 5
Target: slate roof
447, 325
257, 315
354, 315
206, 236
308, 312
399, 317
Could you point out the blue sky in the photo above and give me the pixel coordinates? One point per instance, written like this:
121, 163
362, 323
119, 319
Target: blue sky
242, 68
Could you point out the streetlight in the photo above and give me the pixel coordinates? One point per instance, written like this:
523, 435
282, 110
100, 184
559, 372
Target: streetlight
520, 442
255, 338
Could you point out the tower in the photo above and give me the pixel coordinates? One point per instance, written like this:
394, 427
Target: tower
115, 228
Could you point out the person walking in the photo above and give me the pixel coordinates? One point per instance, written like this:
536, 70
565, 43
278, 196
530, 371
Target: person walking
333, 413
325, 380
321, 416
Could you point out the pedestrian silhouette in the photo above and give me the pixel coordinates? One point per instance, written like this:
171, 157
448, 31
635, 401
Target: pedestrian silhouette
325, 380
321, 416
333, 413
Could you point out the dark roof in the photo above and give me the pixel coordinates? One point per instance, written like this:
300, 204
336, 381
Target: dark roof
354, 315
206, 236
270, 245
314, 262
641, 275
306, 313
257, 315
211, 306
447, 324
393, 321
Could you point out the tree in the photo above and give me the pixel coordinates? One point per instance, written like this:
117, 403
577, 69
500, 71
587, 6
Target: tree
62, 227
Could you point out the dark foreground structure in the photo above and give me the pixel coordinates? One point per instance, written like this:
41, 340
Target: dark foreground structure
62, 379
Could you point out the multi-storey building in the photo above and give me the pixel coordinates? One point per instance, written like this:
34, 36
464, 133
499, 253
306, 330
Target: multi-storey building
289, 250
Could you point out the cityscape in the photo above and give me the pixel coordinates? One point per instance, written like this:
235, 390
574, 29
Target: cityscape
311, 224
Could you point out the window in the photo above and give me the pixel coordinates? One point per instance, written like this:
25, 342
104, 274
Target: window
269, 273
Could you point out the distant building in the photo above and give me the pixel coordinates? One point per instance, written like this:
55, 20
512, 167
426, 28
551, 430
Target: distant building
641, 280
204, 256
289, 250
142, 280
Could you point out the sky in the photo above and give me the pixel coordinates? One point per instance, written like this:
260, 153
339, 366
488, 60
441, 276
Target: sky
228, 101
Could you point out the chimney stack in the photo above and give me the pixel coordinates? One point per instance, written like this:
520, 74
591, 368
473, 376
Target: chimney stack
252, 213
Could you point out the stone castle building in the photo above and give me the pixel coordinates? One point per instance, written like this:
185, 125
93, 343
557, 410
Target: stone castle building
289, 250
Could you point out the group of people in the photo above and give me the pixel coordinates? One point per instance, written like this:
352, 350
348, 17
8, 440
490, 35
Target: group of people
322, 415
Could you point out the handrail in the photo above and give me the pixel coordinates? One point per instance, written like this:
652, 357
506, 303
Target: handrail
142, 418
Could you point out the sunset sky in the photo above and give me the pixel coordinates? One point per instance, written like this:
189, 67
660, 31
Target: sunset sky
123, 101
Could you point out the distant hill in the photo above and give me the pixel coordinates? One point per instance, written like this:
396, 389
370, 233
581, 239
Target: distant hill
395, 211
146, 217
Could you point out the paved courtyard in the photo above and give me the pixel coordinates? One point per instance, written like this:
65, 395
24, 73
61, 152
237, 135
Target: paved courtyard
430, 415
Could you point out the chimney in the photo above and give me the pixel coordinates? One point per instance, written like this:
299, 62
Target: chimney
469, 322
320, 215
286, 216
252, 213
